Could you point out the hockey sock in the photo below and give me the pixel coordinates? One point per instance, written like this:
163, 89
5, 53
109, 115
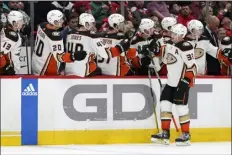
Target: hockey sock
184, 123
166, 118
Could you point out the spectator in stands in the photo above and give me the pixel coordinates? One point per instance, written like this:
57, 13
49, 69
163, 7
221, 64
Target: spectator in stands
19, 6
213, 66
196, 8
174, 9
227, 25
224, 8
72, 24
204, 14
159, 9
114, 5
41, 10
221, 33
64, 6
81, 7
138, 11
3, 14
184, 17
100, 10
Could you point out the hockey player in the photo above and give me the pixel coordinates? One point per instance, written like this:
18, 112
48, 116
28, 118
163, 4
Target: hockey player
49, 48
182, 70
226, 44
142, 43
155, 39
119, 28
85, 39
202, 45
166, 24
11, 44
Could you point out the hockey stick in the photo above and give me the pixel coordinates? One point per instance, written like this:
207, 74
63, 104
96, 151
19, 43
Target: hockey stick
152, 94
26, 42
161, 87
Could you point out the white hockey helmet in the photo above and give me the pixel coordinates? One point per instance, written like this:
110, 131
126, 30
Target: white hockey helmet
115, 20
146, 26
15, 18
55, 17
87, 20
168, 22
179, 30
195, 25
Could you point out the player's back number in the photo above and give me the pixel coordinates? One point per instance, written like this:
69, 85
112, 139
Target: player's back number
72, 47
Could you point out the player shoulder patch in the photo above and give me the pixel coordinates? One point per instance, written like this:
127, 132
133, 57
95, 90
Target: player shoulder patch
12, 35
226, 41
51, 33
184, 46
55, 33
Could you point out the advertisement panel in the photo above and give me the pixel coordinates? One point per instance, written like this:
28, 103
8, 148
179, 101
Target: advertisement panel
10, 111
88, 107
104, 111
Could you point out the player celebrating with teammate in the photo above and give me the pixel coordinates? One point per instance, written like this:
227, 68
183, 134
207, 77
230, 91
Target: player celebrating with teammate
11, 44
85, 39
182, 70
49, 48
119, 28
202, 46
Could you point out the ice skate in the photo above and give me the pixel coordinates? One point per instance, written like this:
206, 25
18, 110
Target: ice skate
183, 140
161, 138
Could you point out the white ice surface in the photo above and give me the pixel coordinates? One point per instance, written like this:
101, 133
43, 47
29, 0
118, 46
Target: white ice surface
128, 149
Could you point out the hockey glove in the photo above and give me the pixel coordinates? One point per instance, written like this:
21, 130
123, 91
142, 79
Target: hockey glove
145, 61
152, 47
230, 57
78, 55
8, 70
123, 46
26, 30
181, 92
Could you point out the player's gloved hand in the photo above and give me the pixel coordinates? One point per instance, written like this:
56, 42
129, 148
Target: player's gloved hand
26, 30
227, 52
8, 70
181, 91
78, 55
124, 45
154, 47
230, 57
145, 61
145, 50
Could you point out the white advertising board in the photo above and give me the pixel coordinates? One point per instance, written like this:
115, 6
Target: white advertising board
82, 104
10, 105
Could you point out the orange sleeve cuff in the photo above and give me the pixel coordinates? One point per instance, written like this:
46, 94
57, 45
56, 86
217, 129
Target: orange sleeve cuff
2, 61
191, 74
64, 57
135, 62
223, 59
131, 53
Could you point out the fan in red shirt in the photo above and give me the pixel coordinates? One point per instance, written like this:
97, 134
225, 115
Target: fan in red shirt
226, 24
184, 17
